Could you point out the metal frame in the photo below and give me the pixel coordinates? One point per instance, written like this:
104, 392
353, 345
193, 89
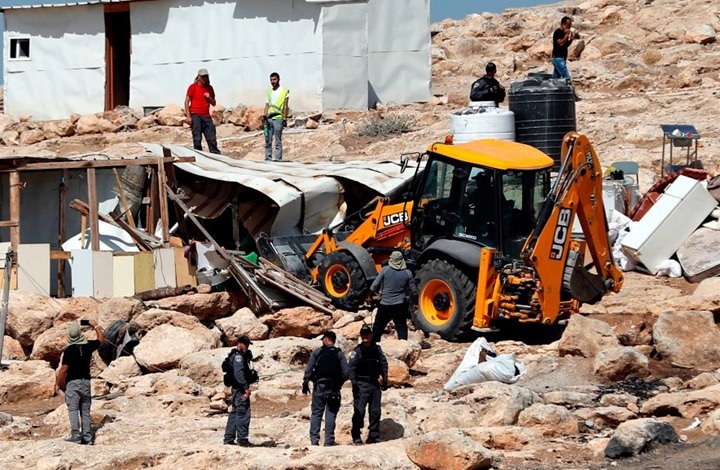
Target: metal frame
687, 134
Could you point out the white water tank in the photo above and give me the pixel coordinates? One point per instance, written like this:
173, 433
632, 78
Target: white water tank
482, 120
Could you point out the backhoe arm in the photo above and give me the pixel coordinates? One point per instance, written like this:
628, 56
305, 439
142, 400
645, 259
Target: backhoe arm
557, 257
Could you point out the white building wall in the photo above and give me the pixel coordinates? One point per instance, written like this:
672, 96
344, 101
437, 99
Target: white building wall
344, 56
66, 70
240, 43
399, 62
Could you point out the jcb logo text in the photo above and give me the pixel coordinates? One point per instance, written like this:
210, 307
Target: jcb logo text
396, 218
561, 234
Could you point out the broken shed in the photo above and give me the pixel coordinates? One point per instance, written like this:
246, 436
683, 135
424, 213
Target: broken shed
83, 57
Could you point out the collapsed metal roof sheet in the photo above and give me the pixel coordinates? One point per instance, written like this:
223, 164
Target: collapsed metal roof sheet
284, 198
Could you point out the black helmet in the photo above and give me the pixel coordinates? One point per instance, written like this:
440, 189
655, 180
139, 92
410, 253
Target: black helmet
490, 68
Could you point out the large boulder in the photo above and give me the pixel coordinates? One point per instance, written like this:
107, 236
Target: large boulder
75, 308
550, 420
155, 317
32, 136
242, 323
171, 115
50, 345
12, 349
448, 449
121, 369
204, 367
58, 128
510, 438
689, 339
164, 346
637, 436
91, 124
403, 350
586, 337
27, 381
29, 315
711, 425
398, 372
633, 332
204, 306
123, 116
305, 322
604, 416
119, 308
617, 364
686, 404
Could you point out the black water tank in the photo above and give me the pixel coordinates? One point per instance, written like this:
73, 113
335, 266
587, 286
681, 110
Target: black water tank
544, 112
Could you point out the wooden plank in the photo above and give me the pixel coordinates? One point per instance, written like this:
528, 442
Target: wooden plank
60, 255
93, 204
152, 210
172, 183
14, 215
164, 219
141, 239
123, 200
62, 203
83, 228
144, 271
164, 268
123, 276
184, 271
79, 164
9, 223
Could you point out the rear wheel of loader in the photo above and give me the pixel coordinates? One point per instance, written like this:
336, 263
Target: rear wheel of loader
446, 302
343, 280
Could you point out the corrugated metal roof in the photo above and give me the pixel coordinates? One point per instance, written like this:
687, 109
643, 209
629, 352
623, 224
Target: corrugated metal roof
287, 198
56, 5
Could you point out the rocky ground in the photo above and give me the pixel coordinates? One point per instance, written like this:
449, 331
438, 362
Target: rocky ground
606, 384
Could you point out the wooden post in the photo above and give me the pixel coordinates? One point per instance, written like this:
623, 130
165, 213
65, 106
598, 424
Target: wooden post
123, 199
152, 216
14, 216
93, 203
62, 193
162, 195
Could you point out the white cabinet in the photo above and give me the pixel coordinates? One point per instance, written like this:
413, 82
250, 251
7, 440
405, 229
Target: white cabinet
680, 210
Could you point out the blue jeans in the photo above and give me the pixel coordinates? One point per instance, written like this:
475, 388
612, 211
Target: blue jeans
275, 128
560, 69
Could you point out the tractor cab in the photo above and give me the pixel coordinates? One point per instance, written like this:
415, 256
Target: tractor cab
485, 192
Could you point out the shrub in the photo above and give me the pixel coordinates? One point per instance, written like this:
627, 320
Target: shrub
376, 126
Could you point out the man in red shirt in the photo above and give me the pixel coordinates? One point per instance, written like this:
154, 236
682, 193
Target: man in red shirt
200, 95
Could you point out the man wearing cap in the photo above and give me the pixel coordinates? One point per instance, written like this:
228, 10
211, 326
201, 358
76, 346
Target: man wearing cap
200, 96
487, 88
238, 423
398, 289
327, 369
275, 116
368, 371
73, 378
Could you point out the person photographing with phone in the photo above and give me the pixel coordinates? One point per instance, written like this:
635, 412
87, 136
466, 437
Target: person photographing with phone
73, 378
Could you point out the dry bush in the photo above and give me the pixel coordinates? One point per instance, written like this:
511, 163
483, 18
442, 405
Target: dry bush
376, 126
651, 57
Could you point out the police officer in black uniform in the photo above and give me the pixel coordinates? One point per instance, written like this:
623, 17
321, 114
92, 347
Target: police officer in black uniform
327, 369
238, 423
487, 88
369, 375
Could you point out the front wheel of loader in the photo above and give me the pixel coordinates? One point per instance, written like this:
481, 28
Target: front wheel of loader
446, 302
342, 279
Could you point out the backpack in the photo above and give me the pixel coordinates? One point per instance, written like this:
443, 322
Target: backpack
251, 375
227, 368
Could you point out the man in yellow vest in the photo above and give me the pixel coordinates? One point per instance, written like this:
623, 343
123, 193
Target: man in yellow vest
275, 117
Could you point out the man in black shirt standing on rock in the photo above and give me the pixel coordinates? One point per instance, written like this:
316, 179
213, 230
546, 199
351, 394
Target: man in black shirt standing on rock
73, 378
367, 366
562, 38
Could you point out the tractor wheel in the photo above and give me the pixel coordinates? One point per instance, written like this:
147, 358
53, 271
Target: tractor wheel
446, 302
342, 279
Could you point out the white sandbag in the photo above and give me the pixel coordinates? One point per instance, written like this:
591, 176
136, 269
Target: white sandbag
501, 368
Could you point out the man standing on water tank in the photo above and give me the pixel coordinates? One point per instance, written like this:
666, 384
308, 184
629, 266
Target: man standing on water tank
562, 38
